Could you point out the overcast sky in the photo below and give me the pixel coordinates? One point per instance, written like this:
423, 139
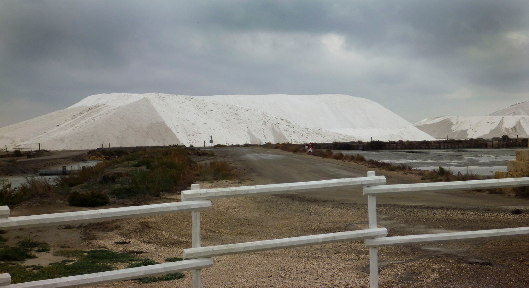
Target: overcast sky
417, 58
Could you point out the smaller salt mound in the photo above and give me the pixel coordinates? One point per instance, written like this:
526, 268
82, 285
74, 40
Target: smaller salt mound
520, 109
465, 127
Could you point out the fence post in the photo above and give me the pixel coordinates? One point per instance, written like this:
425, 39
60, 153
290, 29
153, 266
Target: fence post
195, 236
5, 279
373, 251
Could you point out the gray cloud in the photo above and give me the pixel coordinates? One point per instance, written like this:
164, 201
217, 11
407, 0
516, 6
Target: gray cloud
417, 58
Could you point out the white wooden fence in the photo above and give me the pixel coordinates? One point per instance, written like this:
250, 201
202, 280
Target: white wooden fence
7, 222
196, 200
373, 191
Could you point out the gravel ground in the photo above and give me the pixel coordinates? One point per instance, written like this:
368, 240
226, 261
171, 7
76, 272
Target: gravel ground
501, 262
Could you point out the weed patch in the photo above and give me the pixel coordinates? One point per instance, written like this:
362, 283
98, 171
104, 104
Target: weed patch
217, 171
168, 277
107, 256
10, 196
89, 199
86, 262
143, 262
15, 254
29, 244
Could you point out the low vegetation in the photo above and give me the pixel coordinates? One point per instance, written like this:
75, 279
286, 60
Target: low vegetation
123, 174
33, 187
78, 263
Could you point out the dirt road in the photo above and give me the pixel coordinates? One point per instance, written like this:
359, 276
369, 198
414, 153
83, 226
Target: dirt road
275, 166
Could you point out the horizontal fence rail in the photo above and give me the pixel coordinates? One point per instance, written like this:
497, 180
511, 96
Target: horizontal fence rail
203, 194
98, 215
117, 275
443, 237
447, 186
264, 245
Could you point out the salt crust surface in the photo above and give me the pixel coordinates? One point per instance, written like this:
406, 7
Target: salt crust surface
122, 119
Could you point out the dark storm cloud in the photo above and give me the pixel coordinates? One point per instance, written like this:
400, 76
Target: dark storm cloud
441, 32
394, 52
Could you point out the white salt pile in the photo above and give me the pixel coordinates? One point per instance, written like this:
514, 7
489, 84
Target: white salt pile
512, 121
151, 119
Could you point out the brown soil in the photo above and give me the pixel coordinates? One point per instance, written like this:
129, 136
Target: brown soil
501, 262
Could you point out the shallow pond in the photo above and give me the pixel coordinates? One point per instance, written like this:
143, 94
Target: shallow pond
477, 161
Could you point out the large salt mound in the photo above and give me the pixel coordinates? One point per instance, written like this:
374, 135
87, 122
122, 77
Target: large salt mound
160, 119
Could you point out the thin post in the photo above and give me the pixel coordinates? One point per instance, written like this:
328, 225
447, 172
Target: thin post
373, 251
373, 267
195, 236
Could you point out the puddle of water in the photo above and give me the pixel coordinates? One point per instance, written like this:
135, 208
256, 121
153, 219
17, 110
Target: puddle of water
17, 181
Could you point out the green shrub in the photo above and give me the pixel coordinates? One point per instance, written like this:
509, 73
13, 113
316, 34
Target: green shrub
28, 243
444, 172
217, 170
143, 262
167, 170
83, 267
37, 187
15, 254
87, 175
89, 199
359, 158
338, 156
168, 277
144, 162
17, 153
10, 196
